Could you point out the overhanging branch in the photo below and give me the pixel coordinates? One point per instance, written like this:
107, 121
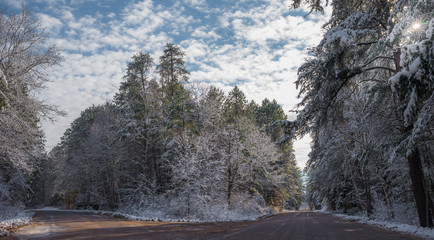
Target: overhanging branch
380, 67
378, 57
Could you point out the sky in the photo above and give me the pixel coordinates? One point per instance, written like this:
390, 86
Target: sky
256, 45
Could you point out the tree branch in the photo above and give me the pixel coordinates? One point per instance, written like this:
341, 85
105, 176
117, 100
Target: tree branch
345, 75
378, 57
380, 67
366, 43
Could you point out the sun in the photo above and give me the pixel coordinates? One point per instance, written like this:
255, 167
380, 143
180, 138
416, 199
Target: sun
416, 26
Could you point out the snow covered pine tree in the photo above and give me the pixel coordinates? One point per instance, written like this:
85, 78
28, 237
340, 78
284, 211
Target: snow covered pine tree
379, 54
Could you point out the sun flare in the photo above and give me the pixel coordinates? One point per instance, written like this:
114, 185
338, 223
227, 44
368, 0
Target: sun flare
416, 26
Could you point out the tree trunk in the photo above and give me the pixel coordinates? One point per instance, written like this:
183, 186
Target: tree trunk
422, 200
229, 187
331, 204
368, 199
367, 193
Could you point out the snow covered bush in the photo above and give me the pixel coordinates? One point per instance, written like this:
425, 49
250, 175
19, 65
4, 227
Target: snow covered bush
12, 216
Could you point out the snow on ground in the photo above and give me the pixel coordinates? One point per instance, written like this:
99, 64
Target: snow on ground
168, 219
10, 220
49, 209
232, 216
426, 233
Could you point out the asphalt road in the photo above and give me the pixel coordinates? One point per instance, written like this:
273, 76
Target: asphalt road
291, 225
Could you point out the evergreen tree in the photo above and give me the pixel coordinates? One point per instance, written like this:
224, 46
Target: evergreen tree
235, 105
290, 190
371, 79
173, 75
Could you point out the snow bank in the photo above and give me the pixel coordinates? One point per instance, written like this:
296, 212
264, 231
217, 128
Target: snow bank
426, 233
12, 218
49, 209
224, 215
197, 208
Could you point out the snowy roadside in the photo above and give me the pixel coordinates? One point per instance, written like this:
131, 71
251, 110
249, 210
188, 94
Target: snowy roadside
162, 219
165, 219
425, 233
9, 224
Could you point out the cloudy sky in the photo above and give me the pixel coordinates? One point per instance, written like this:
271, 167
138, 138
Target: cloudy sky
254, 44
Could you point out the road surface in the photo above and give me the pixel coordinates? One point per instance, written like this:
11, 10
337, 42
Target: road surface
292, 225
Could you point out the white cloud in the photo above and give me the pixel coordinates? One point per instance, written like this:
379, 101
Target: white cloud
196, 3
302, 148
142, 13
50, 23
52, 2
75, 2
81, 82
205, 33
15, 3
200, 5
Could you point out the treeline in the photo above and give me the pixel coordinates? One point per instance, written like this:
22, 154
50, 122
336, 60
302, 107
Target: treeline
163, 148
368, 104
159, 147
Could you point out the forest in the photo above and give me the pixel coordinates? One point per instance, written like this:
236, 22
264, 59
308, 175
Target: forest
161, 149
166, 148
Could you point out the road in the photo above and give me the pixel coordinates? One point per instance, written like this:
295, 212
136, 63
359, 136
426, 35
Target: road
292, 225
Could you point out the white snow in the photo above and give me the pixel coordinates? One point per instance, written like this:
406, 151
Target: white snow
231, 216
3, 78
49, 209
425, 233
411, 107
10, 221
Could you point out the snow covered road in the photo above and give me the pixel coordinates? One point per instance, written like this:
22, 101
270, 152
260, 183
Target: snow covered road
291, 225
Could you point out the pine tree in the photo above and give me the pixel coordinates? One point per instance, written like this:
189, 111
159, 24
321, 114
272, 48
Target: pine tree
370, 54
173, 75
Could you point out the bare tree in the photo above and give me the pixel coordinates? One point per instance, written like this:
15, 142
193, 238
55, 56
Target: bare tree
25, 58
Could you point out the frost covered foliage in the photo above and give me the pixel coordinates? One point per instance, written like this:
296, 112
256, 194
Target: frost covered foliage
11, 217
424, 233
24, 59
368, 104
244, 207
163, 150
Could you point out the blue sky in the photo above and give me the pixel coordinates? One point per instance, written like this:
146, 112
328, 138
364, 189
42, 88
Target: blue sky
255, 44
